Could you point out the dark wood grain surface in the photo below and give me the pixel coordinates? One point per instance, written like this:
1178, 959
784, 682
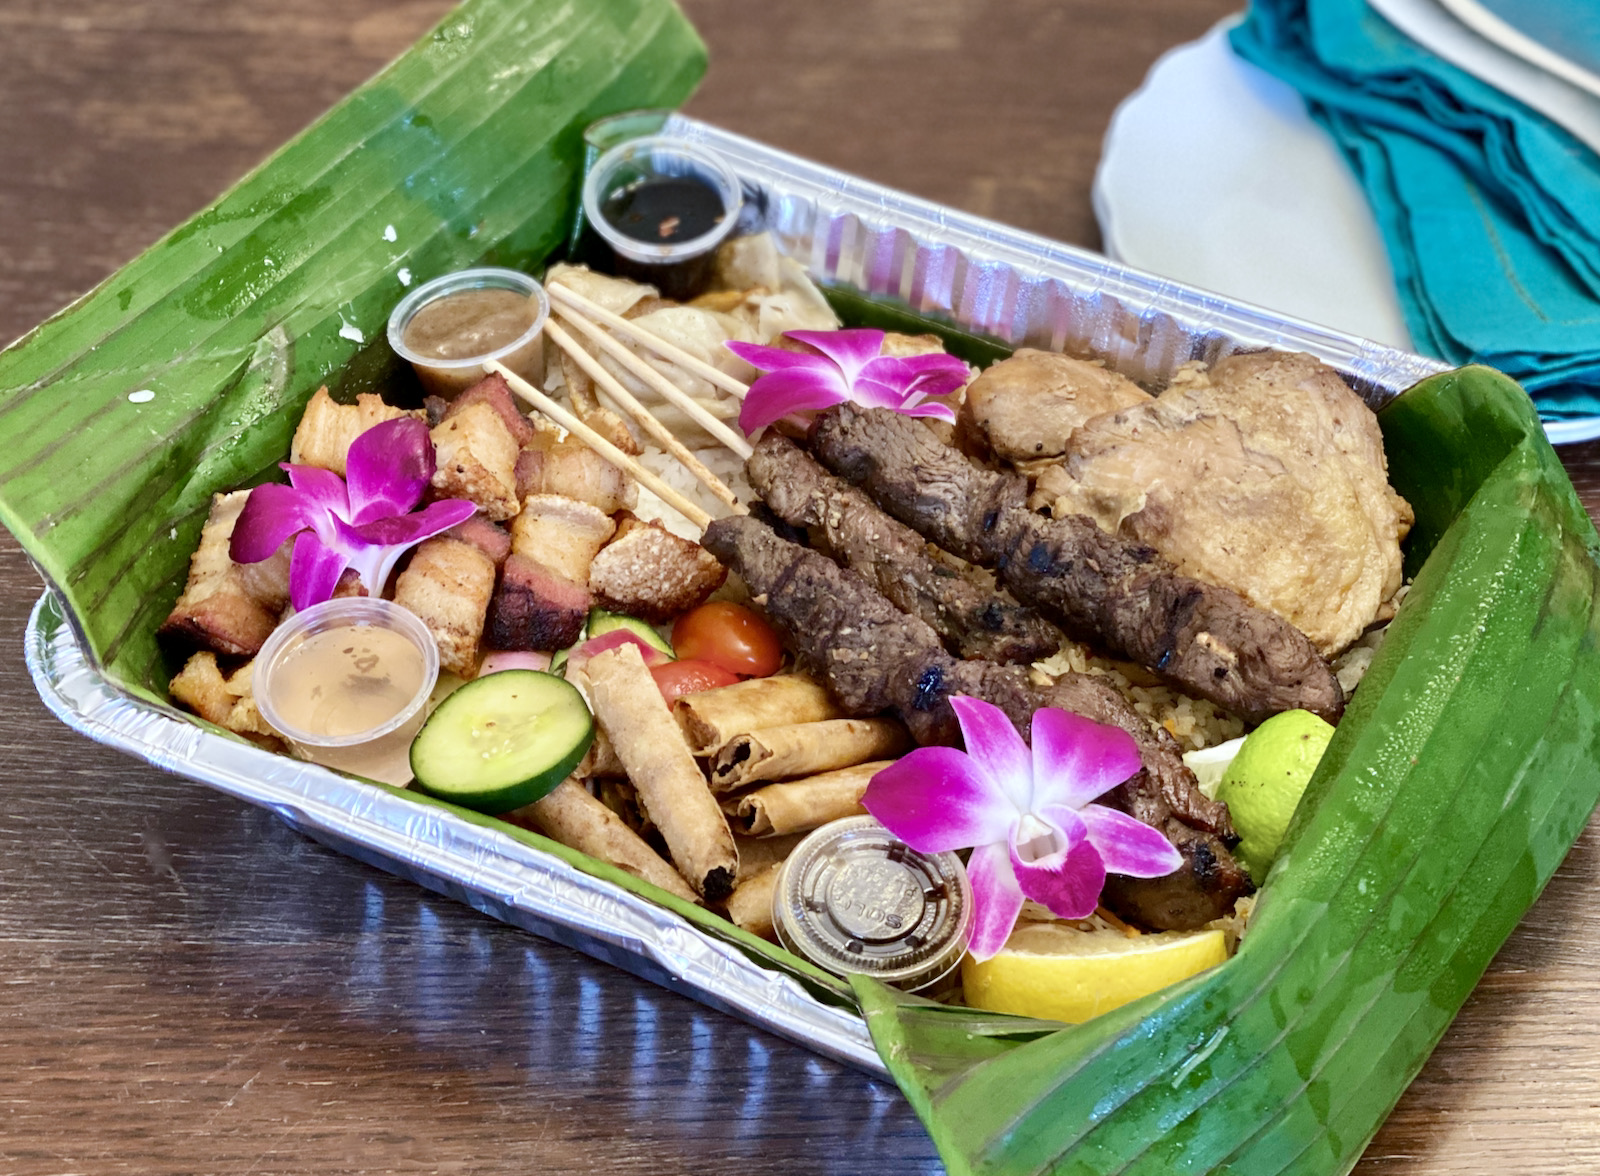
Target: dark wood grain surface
188, 986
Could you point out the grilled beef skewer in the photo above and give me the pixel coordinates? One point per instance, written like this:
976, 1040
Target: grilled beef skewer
1203, 638
874, 657
894, 559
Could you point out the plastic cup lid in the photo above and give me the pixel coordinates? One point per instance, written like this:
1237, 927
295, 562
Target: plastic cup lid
852, 897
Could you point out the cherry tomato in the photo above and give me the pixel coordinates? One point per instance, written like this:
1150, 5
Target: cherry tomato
730, 635
686, 676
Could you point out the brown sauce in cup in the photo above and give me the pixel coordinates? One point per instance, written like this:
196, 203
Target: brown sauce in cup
469, 323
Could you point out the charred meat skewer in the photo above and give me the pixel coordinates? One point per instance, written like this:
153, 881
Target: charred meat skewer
894, 559
1203, 638
874, 657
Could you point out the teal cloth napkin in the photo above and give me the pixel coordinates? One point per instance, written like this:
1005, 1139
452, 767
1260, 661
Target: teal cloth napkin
1491, 213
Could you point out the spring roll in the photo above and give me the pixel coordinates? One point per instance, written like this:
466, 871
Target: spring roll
600, 760
757, 853
804, 749
711, 718
750, 906
568, 814
806, 804
628, 705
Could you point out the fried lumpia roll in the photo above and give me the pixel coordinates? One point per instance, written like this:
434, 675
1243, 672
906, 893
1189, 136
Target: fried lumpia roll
568, 814
805, 749
757, 853
750, 906
805, 804
711, 718
600, 760
628, 706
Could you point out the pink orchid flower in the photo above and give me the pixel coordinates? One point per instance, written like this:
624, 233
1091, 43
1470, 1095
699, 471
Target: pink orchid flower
362, 521
1026, 814
850, 366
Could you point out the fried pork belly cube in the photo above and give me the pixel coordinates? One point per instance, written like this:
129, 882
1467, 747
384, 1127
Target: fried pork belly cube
327, 428
496, 393
217, 610
490, 538
568, 467
535, 607
649, 572
476, 458
561, 533
201, 688
448, 584
227, 702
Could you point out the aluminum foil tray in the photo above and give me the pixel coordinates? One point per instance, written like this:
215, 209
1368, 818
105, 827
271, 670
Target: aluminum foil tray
973, 274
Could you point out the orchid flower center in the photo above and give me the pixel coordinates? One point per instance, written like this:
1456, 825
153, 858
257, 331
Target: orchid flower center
1037, 839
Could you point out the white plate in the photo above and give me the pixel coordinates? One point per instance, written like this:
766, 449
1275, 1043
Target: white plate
1213, 174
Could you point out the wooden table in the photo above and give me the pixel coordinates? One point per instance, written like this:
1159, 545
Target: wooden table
188, 986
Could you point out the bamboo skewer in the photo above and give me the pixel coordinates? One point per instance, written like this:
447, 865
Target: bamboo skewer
641, 414
676, 354
668, 390
599, 444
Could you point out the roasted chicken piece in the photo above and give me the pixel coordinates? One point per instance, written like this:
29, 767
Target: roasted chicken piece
1026, 407
1265, 475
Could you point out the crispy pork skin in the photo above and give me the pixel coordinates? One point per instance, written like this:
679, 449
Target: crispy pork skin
1204, 639
894, 559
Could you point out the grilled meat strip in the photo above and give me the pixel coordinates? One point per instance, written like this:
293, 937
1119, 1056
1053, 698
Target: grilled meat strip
874, 657
894, 559
1206, 639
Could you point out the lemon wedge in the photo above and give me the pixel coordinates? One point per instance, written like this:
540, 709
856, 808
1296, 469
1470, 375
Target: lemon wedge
1055, 971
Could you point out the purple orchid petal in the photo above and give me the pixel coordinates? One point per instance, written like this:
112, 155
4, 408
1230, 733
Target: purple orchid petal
271, 514
405, 530
320, 487
775, 396
388, 468
1069, 880
777, 359
993, 742
996, 899
851, 349
1128, 846
933, 409
873, 393
314, 570
373, 549
937, 799
1076, 759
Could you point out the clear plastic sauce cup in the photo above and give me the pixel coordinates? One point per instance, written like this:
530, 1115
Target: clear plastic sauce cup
688, 190
447, 328
346, 683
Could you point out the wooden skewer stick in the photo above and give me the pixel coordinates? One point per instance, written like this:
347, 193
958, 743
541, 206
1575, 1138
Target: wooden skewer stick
668, 390
657, 344
599, 444
642, 414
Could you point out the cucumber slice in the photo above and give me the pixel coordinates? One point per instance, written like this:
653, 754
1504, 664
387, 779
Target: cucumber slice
602, 622
502, 741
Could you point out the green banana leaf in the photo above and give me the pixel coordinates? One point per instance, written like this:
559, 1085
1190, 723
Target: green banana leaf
467, 149
1459, 778
1429, 830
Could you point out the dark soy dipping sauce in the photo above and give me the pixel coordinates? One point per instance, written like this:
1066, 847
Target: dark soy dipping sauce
664, 210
